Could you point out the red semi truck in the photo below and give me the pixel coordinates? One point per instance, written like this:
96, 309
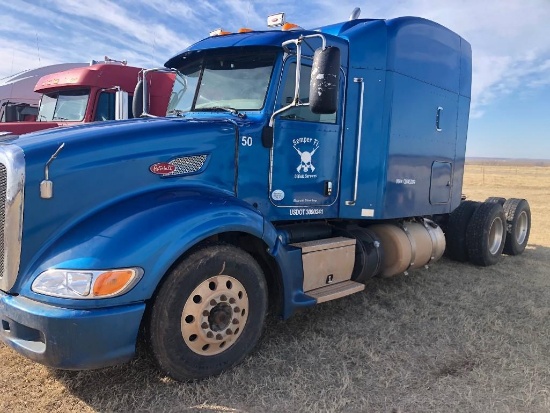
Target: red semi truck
18, 101
99, 92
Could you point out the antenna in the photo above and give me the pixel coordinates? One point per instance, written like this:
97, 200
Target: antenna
355, 13
248, 13
37, 47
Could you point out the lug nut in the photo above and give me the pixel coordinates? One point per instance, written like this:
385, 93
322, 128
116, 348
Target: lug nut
237, 310
210, 334
223, 298
204, 326
213, 303
232, 300
219, 337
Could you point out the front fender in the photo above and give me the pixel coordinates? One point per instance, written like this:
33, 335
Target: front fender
150, 231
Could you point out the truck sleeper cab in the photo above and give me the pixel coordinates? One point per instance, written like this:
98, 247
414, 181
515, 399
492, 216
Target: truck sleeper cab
294, 166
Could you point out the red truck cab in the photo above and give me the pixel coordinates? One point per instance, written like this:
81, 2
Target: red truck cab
88, 94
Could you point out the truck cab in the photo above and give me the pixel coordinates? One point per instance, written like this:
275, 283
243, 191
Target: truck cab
17, 112
89, 94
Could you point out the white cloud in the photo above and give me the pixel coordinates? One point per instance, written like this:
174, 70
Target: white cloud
510, 38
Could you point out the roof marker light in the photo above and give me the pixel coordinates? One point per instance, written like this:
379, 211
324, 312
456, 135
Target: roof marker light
245, 30
291, 26
219, 32
276, 20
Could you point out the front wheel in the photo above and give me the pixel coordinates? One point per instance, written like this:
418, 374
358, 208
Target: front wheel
208, 314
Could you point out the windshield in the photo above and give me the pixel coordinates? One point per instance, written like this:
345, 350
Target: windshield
237, 82
63, 105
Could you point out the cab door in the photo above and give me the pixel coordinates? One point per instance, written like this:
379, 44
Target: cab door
305, 164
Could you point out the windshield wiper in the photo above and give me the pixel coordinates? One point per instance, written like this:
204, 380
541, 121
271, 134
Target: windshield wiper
176, 112
233, 111
59, 118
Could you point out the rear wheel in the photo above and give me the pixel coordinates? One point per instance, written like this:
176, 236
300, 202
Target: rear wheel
455, 235
486, 234
208, 314
518, 220
496, 199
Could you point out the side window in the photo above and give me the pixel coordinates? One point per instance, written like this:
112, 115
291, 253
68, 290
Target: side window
106, 107
130, 113
300, 112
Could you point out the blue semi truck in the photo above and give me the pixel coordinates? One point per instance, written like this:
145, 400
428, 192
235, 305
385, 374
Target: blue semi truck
292, 166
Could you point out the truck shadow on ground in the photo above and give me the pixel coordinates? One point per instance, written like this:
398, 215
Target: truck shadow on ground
409, 331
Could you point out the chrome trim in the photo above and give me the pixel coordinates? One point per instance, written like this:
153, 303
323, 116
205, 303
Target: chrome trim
13, 158
144, 72
359, 138
296, 100
438, 119
187, 165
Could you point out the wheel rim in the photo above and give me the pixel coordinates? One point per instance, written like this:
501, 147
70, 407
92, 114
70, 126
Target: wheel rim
495, 236
214, 315
522, 227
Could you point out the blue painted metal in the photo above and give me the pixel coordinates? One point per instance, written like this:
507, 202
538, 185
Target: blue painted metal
110, 211
69, 339
416, 67
261, 40
136, 232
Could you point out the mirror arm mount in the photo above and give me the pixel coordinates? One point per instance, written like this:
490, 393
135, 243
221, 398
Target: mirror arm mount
143, 74
296, 101
298, 42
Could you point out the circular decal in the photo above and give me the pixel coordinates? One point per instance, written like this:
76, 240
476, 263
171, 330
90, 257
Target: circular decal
277, 195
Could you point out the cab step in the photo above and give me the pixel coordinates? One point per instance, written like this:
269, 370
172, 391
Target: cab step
334, 291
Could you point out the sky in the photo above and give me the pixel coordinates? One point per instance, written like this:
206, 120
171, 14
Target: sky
510, 111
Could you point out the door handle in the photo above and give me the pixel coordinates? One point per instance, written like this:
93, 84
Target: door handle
438, 119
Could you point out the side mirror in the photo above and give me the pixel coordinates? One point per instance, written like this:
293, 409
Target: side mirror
121, 105
137, 102
325, 79
267, 136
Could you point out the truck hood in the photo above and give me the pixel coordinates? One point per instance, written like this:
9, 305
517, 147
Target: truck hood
109, 162
20, 128
130, 131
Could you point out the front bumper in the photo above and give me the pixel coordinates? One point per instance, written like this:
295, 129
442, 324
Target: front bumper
66, 338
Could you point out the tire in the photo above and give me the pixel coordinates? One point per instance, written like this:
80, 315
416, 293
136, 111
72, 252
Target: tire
518, 225
486, 234
208, 314
455, 235
496, 199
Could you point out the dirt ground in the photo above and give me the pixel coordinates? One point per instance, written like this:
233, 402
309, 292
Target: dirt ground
453, 337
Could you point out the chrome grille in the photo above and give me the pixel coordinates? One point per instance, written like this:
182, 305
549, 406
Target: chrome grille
12, 184
187, 165
3, 189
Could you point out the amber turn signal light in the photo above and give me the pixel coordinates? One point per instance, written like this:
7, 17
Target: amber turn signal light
112, 282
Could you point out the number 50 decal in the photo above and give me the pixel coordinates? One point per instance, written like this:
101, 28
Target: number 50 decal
246, 141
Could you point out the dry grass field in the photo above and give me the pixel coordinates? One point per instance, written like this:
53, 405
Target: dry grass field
451, 338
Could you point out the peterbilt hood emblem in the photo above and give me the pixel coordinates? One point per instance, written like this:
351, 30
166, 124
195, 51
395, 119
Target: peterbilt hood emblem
162, 168
183, 165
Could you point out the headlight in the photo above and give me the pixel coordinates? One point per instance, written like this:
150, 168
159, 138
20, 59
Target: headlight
82, 284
